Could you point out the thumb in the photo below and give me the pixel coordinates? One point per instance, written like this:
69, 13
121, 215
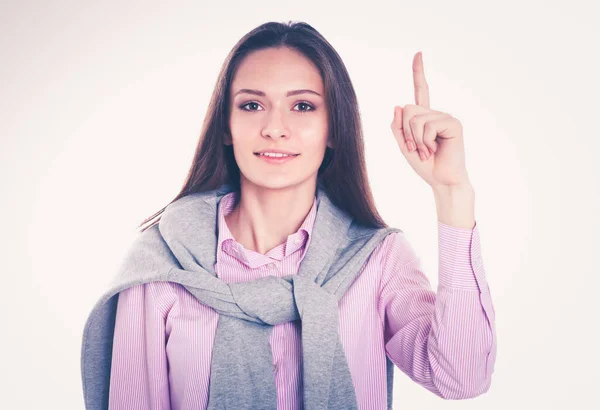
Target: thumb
397, 129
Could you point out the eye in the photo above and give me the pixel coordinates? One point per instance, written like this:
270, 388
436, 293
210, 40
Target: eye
248, 103
306, 104
302, 103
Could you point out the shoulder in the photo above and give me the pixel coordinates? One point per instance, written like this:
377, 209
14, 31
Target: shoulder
394, 249
161, 296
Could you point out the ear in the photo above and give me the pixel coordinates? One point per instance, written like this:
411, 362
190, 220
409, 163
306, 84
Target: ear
330, 143
227, 140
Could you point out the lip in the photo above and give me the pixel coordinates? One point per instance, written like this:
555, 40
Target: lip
273, 160
276, 151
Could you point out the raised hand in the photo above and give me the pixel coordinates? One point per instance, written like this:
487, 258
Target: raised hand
431, 141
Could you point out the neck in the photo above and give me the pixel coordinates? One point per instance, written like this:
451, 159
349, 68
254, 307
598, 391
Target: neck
263, 218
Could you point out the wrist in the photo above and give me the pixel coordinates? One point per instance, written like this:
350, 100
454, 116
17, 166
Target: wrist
455, 205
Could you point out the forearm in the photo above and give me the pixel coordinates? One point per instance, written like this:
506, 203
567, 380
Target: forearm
456, 205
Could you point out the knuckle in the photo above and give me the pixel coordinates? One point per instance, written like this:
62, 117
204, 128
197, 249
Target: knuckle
458, 124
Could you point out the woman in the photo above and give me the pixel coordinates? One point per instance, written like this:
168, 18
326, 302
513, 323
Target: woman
271, 281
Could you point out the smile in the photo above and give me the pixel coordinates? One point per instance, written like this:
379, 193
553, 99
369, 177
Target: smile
275, 158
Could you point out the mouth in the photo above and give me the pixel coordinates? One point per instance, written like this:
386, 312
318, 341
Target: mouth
275, 158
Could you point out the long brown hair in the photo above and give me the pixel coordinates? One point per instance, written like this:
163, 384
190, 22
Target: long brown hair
342, 173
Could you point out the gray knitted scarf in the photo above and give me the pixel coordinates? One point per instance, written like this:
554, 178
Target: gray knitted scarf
181, 248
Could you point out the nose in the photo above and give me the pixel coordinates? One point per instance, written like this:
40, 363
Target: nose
275, 126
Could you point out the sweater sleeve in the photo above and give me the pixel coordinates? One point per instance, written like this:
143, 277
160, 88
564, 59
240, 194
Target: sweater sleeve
139, 370
446, 342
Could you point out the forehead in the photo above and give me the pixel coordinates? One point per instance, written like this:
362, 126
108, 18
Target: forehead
277, 70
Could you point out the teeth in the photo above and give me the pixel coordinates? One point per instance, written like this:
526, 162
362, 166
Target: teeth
275, 155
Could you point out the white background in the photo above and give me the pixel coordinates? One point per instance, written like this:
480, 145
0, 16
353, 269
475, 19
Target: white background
101, 105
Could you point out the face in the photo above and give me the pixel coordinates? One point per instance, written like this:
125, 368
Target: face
269, 114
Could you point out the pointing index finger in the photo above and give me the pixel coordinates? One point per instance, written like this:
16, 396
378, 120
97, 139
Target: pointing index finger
421, 87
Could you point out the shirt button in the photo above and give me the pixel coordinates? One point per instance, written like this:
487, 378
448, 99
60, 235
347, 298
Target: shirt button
271, 266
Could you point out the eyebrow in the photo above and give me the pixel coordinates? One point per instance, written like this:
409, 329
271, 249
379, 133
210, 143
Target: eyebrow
288, 94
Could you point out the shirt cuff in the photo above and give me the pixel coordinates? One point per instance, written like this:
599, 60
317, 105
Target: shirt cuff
460, 262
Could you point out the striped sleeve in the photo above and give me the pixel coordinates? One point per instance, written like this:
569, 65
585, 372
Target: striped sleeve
139, 370
446, 342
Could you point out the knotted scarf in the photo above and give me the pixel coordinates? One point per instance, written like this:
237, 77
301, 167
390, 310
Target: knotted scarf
181, 248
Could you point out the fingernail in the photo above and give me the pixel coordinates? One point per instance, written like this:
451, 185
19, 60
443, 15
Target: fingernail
422, 155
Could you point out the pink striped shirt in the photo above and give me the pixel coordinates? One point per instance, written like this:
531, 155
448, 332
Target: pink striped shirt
445, 342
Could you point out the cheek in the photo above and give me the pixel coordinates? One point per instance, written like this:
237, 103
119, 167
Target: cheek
315, 139
313, 132
237, 125
309, 133
317, 145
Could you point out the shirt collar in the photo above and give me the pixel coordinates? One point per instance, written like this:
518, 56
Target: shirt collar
227, 243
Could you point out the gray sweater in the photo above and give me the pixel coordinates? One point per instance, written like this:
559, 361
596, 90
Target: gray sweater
181, 248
